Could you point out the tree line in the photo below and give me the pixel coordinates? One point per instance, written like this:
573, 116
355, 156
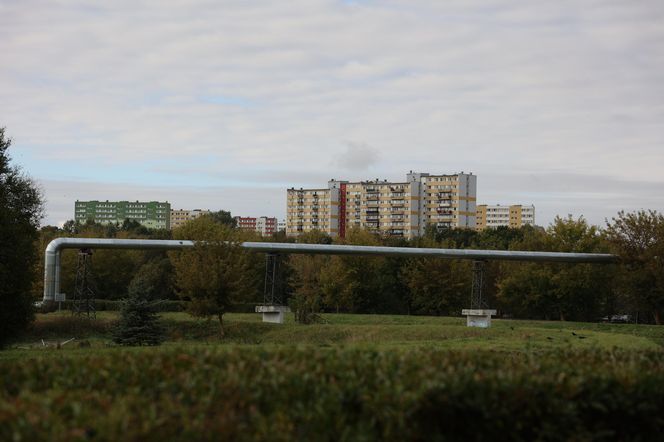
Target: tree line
218, 275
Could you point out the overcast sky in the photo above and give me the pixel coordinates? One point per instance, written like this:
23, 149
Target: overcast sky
225, 104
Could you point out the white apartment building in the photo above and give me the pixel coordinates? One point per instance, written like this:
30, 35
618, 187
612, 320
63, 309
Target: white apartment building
514, 216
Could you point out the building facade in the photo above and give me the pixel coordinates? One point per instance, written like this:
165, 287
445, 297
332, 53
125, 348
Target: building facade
152, 214
389, 208
264, 225
514, 216
181, 216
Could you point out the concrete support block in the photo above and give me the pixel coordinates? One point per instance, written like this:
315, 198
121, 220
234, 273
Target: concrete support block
273, 313
478, 317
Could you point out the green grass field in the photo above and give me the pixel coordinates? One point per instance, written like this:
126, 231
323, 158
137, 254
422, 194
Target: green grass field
350, 377
376, 331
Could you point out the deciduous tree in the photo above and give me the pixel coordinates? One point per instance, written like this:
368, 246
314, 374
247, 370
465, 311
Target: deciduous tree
210, 274
20, 213
638, 238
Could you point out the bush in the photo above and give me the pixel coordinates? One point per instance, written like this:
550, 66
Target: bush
108, 305
244, 307
310, 393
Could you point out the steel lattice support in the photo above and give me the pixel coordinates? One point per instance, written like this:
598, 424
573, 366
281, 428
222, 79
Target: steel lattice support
477, 300
272, 290
83, 302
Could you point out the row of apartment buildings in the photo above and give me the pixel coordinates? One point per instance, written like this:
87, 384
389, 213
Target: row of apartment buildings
159, 215
390, 208
398, 208
264, 225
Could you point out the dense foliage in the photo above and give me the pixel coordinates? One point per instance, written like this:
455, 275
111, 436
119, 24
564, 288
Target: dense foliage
288, 393
214, 272
422, 286
20, 213
639, 240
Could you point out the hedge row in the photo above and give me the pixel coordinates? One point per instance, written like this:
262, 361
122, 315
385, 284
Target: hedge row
160, 306
250, 393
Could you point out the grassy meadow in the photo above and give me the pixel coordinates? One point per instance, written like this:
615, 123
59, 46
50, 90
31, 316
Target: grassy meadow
349, 377
363, 331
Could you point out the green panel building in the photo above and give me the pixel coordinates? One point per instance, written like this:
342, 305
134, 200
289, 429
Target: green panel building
153, 214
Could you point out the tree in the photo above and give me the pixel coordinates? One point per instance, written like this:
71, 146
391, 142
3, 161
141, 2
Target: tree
212, 273
368, 283
437, 286
139, 323
21, 209
158, 273
638, 238
223, 217
557, 290
306, 300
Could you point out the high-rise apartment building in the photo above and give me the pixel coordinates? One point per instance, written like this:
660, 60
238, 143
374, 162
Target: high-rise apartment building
513, 216
264, 225
152, 214
390, 208
181, 216
313, 209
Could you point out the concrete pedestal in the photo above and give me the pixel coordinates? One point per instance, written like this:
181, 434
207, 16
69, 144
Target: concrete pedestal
478, 317
273, 313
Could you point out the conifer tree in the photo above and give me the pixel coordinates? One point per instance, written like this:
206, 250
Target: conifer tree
139, 323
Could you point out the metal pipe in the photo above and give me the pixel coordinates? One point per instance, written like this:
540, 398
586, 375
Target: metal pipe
502, 255
52, 253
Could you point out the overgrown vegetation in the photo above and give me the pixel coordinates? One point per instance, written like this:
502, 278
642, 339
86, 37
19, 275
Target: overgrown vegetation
309, 393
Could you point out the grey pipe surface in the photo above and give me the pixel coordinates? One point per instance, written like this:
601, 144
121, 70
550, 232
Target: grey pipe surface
52, 253
502, 255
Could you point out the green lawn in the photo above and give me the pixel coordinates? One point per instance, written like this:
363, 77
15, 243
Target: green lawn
363, 331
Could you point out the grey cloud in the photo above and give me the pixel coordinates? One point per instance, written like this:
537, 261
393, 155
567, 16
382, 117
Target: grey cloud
357, 157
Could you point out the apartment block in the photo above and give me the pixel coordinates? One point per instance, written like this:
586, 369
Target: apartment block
181, 216
514, 216
152, 214
313, 209
264, 225
389, 208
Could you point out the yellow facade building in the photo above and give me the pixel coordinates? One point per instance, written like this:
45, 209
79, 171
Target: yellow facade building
513, 216
181, 216
389, 208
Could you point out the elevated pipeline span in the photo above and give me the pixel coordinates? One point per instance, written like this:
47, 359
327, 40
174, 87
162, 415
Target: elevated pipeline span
54, 248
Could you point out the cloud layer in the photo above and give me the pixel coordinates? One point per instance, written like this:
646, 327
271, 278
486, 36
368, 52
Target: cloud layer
546, 102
